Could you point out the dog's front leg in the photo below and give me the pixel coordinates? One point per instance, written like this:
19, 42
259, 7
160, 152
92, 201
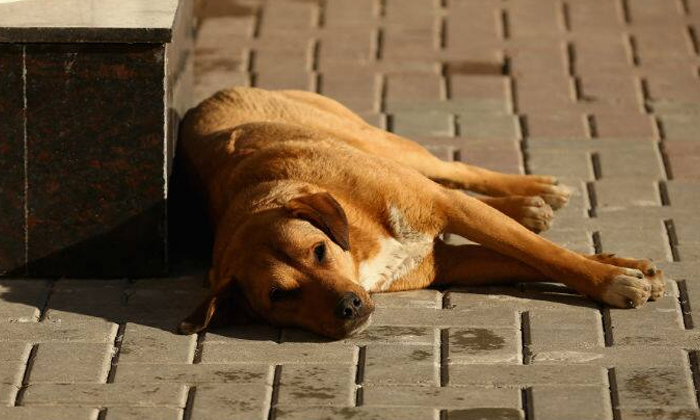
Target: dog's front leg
620, 286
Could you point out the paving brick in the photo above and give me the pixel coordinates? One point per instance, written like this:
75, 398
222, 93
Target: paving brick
332, 353
144, 344
231, 402
359, 413
440, 318
526, 375
195, 374
71, 362
39, 332
425, 124
617, 355
484, 345
401, 365
143, 413
637, 241
22, 300
14, 351
680, 126
64, 413
684, 157
498, 127
409, 87
388, 334
447, 397
412, 299
625, 193
563, 402
625, 125
654, 386
169, 395
12, 372
561, 125
659, 413
317, 385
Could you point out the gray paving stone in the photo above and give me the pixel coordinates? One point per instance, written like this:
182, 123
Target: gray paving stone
412, 299
317, 385
635, 355
660, 413
332, 353
357, 413
143, 413
231, 402
389, 334
243, 333
562, 402
489, 126
8, 394
416, 124
613, 193
484, 345
145, 344
440, 318
11, 372
520, 376
71, 362
137, 395
544, 340
420, 396
22, 300
639, 387
14, 351
395, 364
33, 413
39, 332
195, 374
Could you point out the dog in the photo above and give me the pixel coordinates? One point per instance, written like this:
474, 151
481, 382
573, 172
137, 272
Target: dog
313, 209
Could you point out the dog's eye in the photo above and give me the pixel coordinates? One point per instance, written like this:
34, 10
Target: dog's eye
277, 294
320, 252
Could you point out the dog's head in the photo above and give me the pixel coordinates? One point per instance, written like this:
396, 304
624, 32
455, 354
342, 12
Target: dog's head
290, 266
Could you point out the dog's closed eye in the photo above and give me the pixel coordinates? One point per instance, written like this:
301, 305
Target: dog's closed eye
277, 294
320, 252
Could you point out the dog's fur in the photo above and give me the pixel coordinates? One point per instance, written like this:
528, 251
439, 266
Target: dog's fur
313, 209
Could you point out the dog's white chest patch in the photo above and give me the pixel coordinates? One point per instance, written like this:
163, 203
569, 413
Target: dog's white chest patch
398, 254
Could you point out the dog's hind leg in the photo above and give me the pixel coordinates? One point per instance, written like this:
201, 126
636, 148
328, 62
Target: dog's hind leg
604, 280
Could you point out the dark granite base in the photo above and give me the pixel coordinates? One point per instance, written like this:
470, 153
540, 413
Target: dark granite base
87, 134
12, 198
95, 130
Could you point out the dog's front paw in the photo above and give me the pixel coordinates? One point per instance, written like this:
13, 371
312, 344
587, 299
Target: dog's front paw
652, 274
547, 187
628, 289
532, 212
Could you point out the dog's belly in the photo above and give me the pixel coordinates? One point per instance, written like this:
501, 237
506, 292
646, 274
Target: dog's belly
398, 255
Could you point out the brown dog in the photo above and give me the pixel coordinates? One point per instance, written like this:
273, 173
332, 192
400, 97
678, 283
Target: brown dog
313, 209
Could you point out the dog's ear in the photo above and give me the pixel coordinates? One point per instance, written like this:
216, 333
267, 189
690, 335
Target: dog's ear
221, 307
324, 212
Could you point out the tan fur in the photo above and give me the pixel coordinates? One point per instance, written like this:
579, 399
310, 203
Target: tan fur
252, 151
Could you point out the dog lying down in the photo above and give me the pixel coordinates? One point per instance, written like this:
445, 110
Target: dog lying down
313, 209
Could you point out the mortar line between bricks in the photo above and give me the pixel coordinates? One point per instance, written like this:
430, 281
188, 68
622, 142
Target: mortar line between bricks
381, 9
257, 22
614, 397
102, 413
444, 357
632, 42
592, 125
321, 14
566, 16
45, 306
685, 9
505, 24
25, 375
571, 63
625, 10
187, 411
665, 161
118, 340
360, 375
646, 96
693, 36
672, 239
197, 356
275, 392
695, 374
525, 337
597, 167
442, 34
381, 94
606, 324
663, 193
315, 52
592, 201
684, 303
526, 403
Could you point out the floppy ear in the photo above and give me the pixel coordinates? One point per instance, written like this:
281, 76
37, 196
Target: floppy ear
324, 212
224, 306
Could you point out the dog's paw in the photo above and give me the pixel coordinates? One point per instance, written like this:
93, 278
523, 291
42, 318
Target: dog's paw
547, 187
532, 212
628, 289
652, 274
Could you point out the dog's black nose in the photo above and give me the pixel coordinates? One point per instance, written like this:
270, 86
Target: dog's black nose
349, 306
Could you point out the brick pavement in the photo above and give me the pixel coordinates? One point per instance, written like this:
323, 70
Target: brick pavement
602, 93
